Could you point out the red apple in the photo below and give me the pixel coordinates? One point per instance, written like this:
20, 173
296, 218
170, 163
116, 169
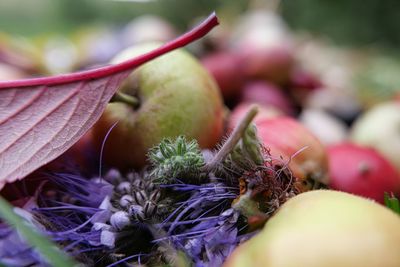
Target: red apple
290, 142
272, 64
240, 111
361, 171
267, 94
227, 71
301, 84
302, 79
177, 97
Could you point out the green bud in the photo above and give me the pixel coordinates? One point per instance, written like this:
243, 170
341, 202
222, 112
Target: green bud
173, 159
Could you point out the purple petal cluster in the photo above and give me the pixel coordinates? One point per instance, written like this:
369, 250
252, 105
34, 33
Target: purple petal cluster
72, 208
204, 226
90, 220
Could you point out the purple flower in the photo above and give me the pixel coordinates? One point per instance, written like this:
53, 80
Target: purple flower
127, 219
71, 207
204, 226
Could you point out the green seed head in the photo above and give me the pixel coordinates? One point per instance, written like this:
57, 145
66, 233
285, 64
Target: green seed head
173, 159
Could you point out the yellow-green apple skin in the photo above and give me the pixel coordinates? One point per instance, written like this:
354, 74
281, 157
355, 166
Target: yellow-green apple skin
177, 97
324, 229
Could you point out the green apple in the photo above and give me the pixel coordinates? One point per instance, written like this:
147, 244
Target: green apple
177, 97
324, 229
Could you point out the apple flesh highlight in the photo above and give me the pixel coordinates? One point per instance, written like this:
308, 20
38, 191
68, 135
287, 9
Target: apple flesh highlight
324, 229
177, 97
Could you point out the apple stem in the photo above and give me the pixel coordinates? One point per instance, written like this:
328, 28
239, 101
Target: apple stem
125, 98
233, 139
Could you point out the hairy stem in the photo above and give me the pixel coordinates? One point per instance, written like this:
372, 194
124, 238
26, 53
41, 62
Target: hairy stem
125, 98
233, 139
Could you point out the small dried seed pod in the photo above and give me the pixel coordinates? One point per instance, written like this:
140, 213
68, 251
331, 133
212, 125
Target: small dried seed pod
124, 187
136, 211
140, 197
126, 200
155, 195
138, 183
150, 187
149, 209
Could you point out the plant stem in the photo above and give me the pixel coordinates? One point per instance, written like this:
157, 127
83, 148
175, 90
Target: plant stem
233, 139
125, 98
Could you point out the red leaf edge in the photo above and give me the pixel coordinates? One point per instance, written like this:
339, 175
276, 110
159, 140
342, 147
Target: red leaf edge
185, 39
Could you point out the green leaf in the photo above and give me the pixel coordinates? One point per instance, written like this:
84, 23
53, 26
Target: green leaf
392, 202
54, 256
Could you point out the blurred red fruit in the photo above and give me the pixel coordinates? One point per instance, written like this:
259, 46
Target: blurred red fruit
271, 64
225, 68
240, 111
291, 142
304, 80
361, 171
267, 94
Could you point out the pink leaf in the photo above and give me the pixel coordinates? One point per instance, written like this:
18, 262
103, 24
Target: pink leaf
41, 118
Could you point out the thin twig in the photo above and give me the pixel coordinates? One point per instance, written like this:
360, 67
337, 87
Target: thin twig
233, 139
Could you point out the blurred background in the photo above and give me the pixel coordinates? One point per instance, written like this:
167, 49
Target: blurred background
351, 22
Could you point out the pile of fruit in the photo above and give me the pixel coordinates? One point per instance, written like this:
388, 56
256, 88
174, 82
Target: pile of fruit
255, 146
